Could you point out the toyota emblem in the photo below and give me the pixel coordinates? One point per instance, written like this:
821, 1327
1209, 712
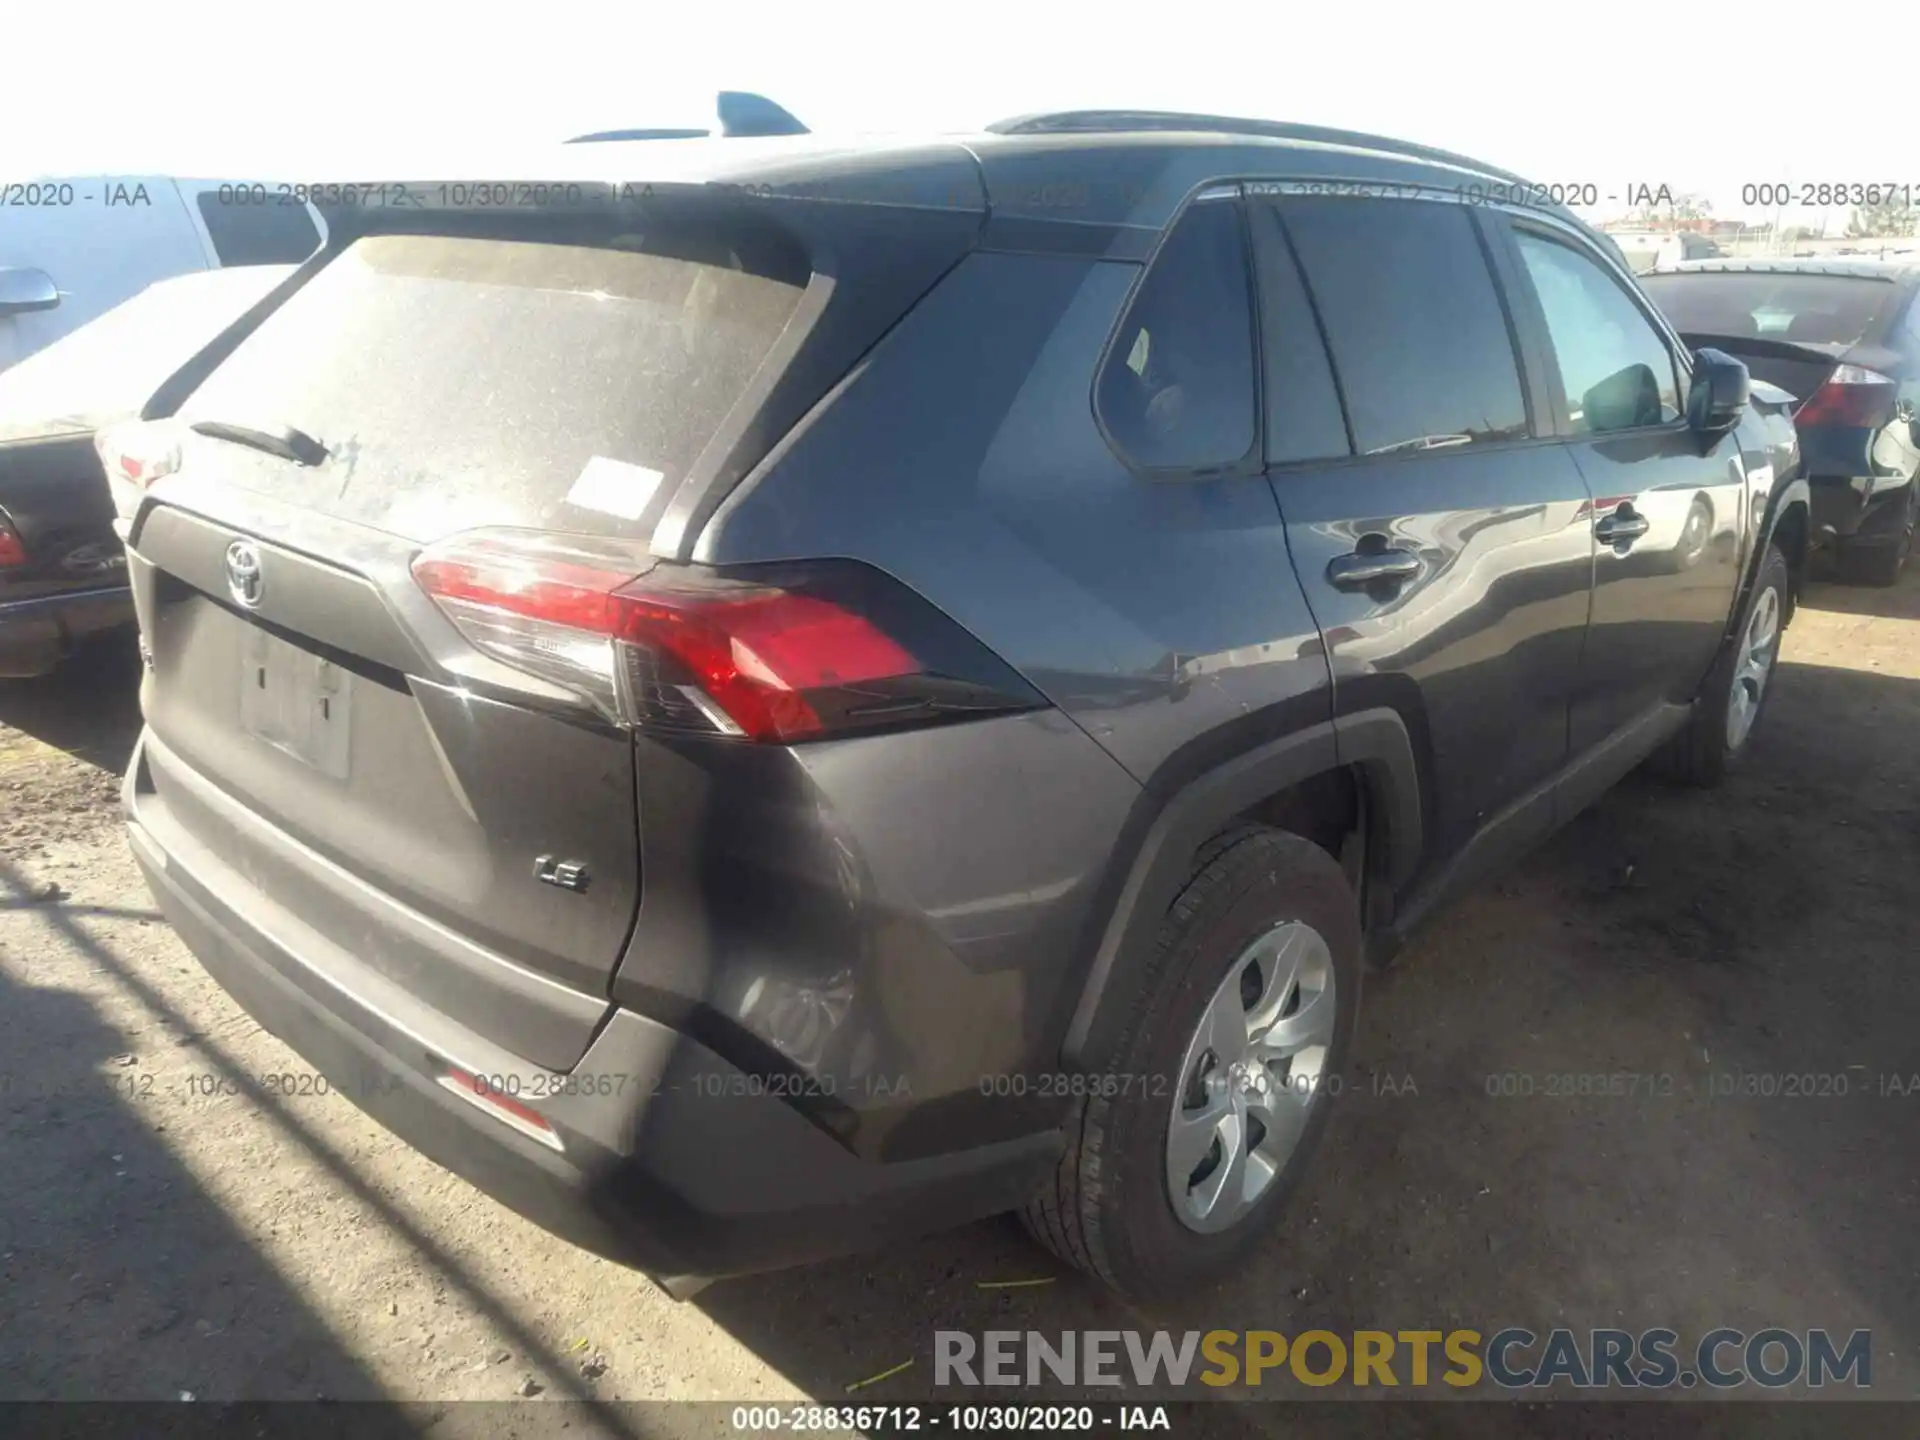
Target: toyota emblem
243, 573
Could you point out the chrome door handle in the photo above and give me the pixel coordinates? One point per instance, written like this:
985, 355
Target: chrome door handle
1363, 567
1621, 527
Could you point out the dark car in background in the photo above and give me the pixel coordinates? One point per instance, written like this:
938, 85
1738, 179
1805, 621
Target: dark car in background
63, 570
1843, 336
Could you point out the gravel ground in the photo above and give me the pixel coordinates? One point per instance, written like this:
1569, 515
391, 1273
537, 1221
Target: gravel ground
168, 1225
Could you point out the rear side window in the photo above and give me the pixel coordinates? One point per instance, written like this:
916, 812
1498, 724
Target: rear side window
263, 234
1177, 390
464, 380
1418, 337
1615, 370
1806, 309
1304, 421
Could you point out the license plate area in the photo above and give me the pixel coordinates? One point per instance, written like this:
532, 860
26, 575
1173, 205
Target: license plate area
297, 702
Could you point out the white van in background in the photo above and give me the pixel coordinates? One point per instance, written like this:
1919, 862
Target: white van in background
73, 247
1648, 250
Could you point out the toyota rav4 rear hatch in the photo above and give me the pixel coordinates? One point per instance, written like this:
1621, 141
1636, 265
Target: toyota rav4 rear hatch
345, 755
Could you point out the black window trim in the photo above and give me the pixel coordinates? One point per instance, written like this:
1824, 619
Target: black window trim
1291, 257
1679, 356
1493, 220
1212, 192
1533, 398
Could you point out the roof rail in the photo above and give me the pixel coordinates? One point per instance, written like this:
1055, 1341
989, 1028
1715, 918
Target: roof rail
1070, 122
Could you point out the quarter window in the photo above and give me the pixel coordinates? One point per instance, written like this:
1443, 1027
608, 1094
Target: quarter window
273, 233
1418, 336
1177, 391
1615, 370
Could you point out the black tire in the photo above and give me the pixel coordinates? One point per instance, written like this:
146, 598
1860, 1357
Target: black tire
1700, 754
1107, 1208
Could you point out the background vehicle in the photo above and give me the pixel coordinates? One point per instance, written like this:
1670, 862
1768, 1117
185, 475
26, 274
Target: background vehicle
1649, 250
63, 571
1844, 337
1020, 670
72, 247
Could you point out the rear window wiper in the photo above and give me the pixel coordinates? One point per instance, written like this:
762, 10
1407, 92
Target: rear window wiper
286, 441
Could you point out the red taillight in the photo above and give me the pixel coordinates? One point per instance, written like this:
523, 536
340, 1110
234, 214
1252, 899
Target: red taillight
1853, 396
12, 552
758, 653
794, 653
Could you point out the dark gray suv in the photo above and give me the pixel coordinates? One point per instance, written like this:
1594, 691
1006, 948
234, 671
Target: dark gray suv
820, 692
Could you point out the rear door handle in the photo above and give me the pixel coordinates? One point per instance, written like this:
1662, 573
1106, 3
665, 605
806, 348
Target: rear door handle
1360, 568
1624, 526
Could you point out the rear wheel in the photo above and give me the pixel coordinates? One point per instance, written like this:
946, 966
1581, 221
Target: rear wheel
1730, 704
1223, 1077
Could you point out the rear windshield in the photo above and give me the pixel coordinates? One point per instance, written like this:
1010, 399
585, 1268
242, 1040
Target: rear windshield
1806, 309
465, 380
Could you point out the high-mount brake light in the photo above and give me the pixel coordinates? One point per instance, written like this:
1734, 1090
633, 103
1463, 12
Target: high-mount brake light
793, 652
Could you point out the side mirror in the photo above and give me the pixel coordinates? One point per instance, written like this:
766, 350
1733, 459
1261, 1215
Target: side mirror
1625, 400
23, 290
1721, 386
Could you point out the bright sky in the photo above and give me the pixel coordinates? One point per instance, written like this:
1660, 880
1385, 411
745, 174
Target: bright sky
1700, 97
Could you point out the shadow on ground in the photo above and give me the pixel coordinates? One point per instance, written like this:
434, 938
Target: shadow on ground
89, 707
122, 1278
1896, 602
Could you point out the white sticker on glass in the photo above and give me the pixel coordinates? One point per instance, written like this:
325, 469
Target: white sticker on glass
613, 487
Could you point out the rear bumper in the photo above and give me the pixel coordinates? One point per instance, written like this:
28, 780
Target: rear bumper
670, 1159
36, 634
1860, 511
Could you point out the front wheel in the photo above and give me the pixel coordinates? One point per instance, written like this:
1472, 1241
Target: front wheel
1231, 1053
1729, 706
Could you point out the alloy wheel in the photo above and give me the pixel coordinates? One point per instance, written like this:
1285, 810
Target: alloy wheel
1753, 666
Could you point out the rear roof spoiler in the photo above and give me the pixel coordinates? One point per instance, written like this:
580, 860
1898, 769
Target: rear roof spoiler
554, 181
738, 112
1767, 347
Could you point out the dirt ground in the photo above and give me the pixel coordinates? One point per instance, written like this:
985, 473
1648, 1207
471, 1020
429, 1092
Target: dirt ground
168, 1226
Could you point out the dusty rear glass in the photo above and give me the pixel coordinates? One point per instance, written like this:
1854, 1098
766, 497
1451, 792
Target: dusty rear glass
464, 380
1803, 309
